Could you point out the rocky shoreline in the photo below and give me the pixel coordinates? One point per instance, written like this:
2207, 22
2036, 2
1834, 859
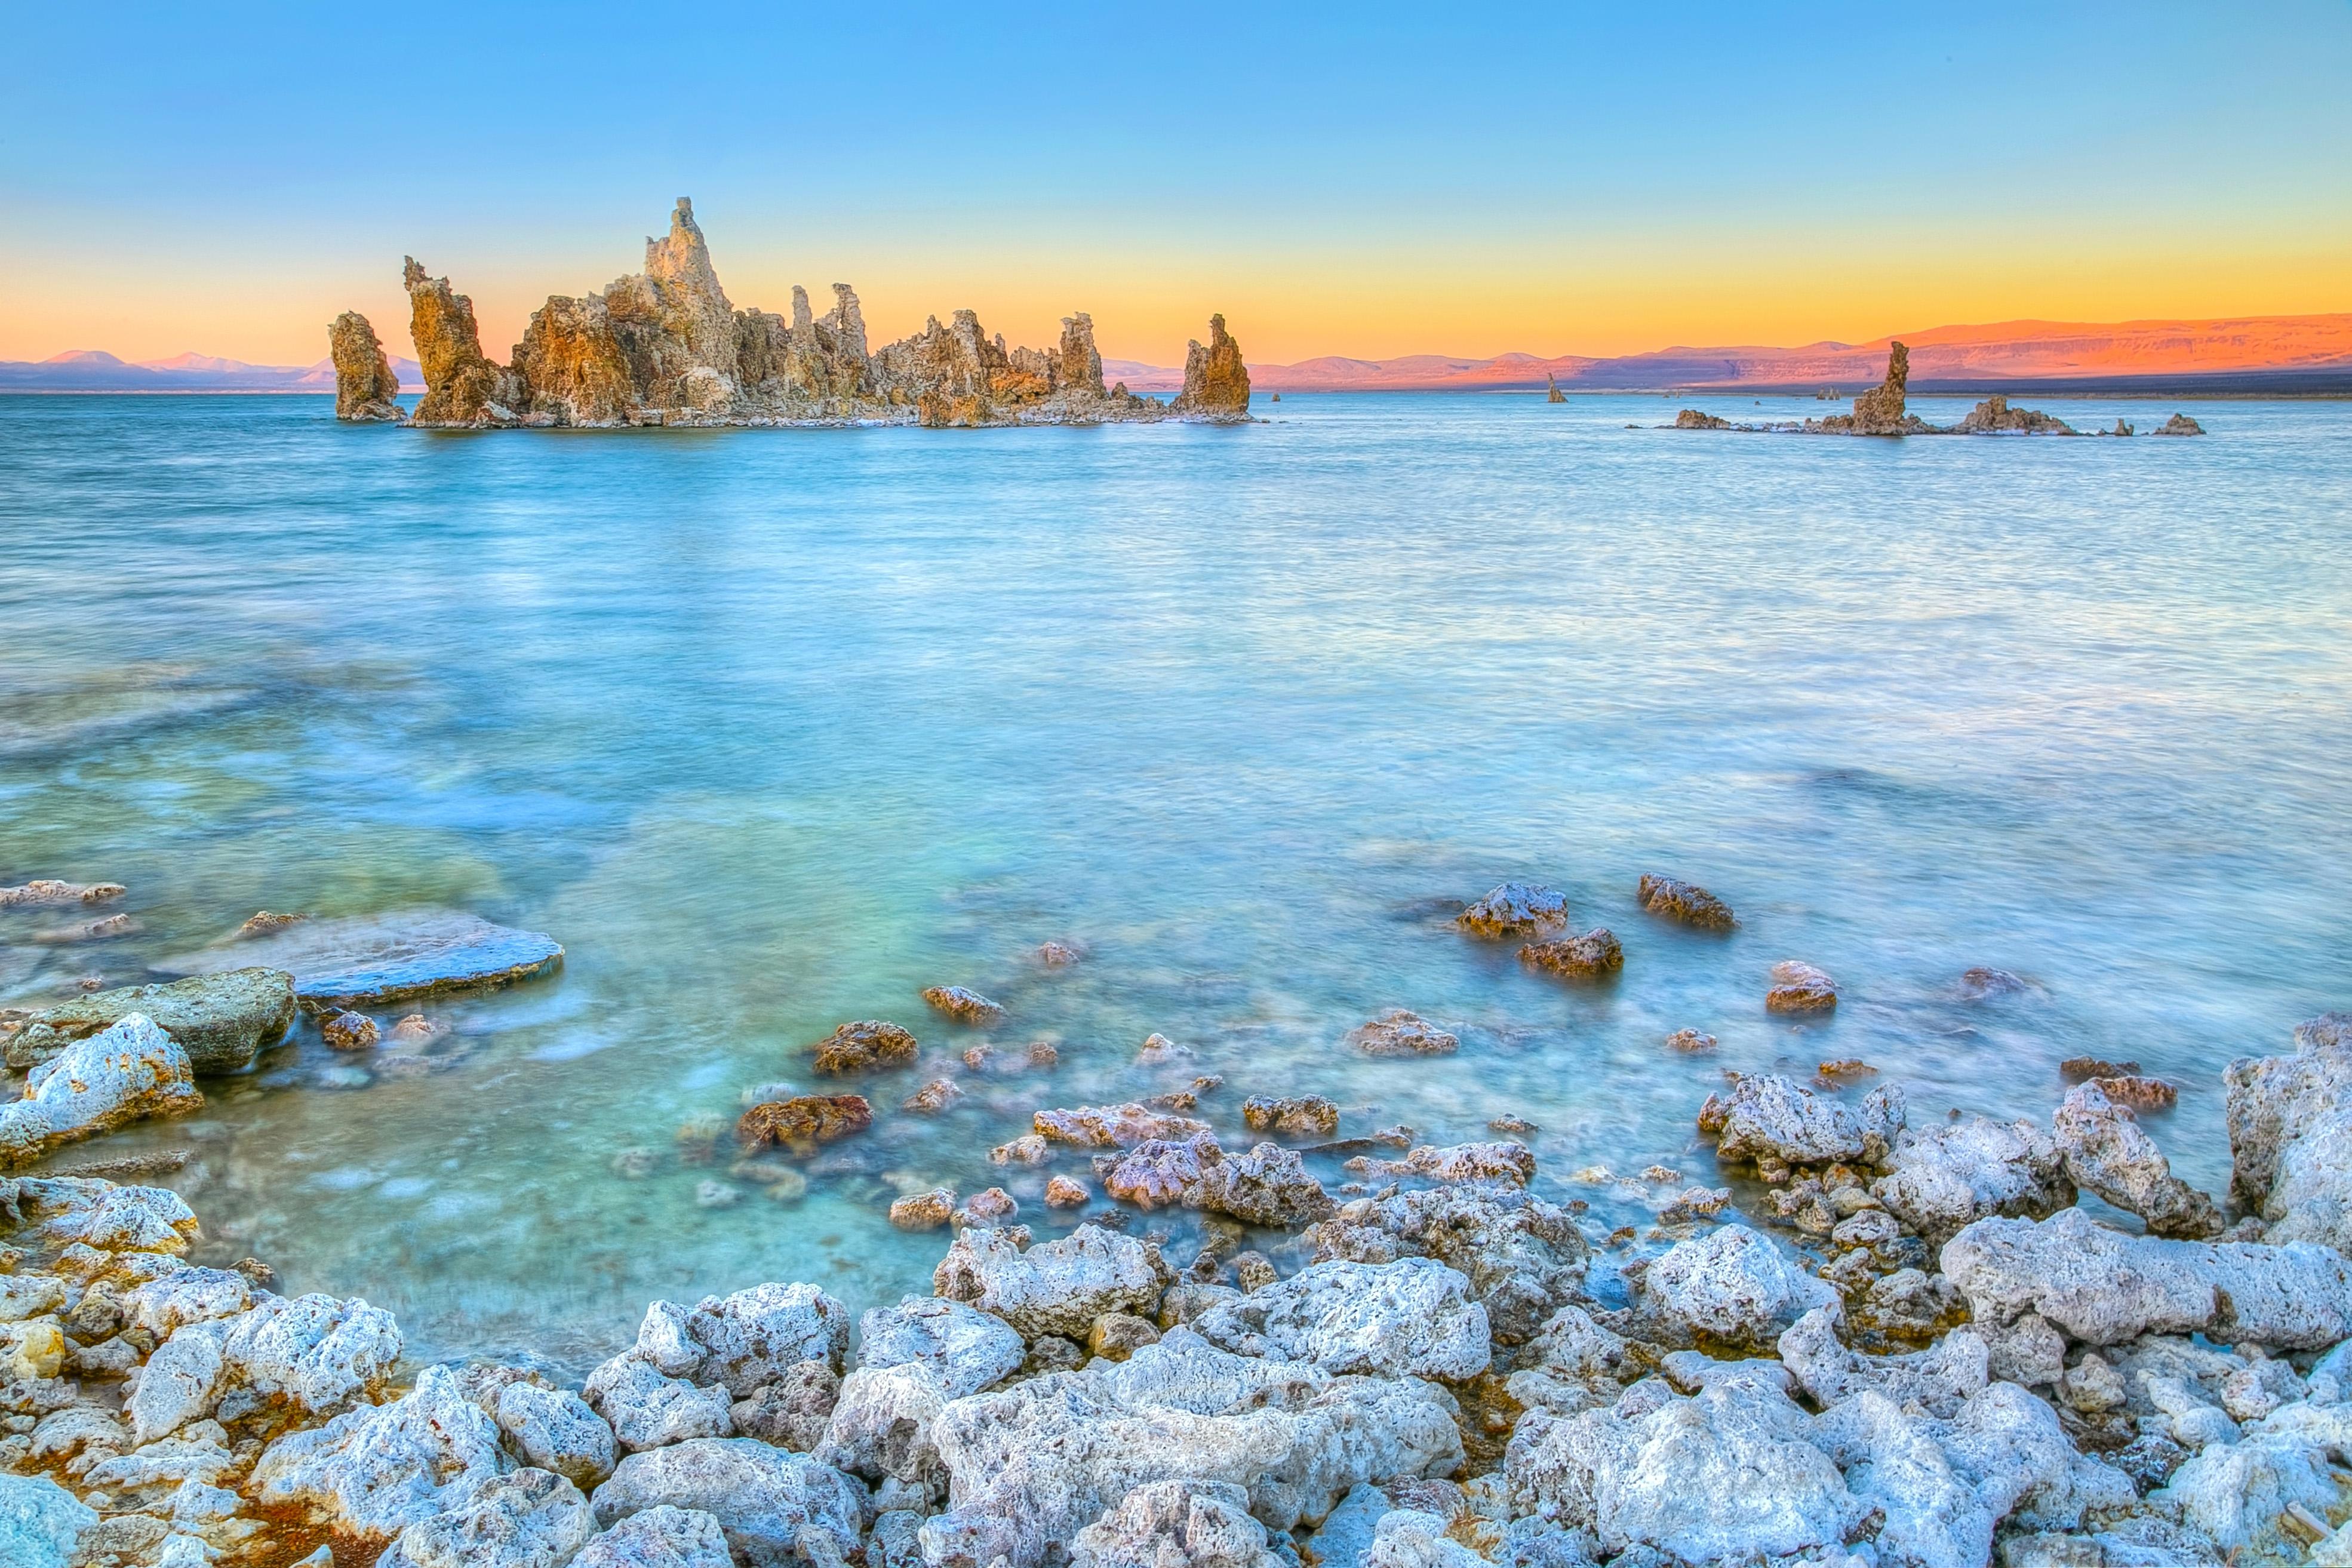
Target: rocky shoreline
665, 347
1887, 1340
1880, 412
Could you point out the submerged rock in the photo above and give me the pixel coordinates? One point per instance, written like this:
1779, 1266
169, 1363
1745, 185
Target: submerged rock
368, 961
221, 1021
863, 1046
804, 1119
1686, 902
366, 390
1514, 909
1113, 1126
128, 1072
44, 890
1306, 1115
1800, 988
965, 1006
1400, 1031
1595, 955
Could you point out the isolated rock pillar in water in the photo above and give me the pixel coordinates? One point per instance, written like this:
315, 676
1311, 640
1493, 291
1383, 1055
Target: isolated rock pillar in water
365, 389
1216, 382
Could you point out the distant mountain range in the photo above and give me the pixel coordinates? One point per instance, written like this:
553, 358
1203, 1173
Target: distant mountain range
2249, 353
94, 370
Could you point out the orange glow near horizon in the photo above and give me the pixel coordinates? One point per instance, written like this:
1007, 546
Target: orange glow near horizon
1596, 300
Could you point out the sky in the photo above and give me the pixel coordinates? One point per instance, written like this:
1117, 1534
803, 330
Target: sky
1372, 180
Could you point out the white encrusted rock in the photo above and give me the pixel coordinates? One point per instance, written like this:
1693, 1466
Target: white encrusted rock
747, 1338
1175, 1525
1031, 1464
2109, 1154
1732, 1287
1769, 1117
555, 1429
647, 1410
1942, 1178
163, 1305
1522, 1255
529, 1519
969, 1349
2105, 1287
1412, 1318
41, 1523
1057, 1288
1940, 1378
769, 1503
377, 1471
1408, 1538
664, 1536
127, 1073
2290, 1121
881, 1426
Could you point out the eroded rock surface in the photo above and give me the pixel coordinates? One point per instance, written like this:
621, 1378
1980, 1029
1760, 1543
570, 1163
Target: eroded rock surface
127, 1072
221, 1021
366, 390
1216, 382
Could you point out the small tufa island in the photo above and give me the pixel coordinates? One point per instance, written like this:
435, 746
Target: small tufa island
665, 347
1880, 412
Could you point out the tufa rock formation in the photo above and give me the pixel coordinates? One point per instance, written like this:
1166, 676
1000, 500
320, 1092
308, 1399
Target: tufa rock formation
1994, 416
1879, 411
1553, 393
461, 385
366, 391
1216, 382
665, 346
2179, 425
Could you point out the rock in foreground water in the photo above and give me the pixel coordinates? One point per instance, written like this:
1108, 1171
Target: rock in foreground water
1686, 902
1514, 909
368, 961
221, 1021
366, 391
1595, 955
865, 1045
1402, 1033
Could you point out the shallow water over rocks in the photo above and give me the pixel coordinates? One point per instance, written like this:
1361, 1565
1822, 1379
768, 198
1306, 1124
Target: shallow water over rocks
774, 731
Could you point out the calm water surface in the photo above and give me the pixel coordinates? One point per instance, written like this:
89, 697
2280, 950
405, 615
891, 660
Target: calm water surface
773, 728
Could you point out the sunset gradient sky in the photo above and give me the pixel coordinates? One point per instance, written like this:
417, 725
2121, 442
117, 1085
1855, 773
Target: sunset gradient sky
1562, 178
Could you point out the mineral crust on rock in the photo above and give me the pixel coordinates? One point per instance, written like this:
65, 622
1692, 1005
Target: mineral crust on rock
1514, 909
221, 1020
1216, 382
127, 1072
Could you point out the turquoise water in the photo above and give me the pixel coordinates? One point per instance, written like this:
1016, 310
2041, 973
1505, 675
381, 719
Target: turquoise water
772, 728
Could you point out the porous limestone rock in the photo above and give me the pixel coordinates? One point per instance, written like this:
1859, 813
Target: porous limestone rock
1514, 909
1592, 955
2105, 1287
1114, 1126
571, 361
776, 1509
2109, 1154
462, 387
1057, 1288
1308, 1115
964, 1006
1267, 1186
1687, 904
663, 1536
1175, 1525
555, 1430
1411, 1317
312, 1355
1730, 1287
1078, 367
41, 1523
1939, 1379
1031, 1464
1410, 1538
2289, 1121
221, 1021
127, 1072
969, 1349
1730, 1475
366, 390
2179, 425
1216, 382
647, 1410
792, 1411
376, 1470
1801, 988
743, 1341
1995, 416
1400, 1031
803, 1118
1572, 1364
1501, 1160
1522, 1255
1769, 1117
1940, 1178
529, 1518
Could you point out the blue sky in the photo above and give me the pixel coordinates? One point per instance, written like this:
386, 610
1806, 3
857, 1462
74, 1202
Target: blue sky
1566, 178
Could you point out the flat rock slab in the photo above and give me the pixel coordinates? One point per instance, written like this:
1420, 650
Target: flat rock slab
221, 1020
368, 961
